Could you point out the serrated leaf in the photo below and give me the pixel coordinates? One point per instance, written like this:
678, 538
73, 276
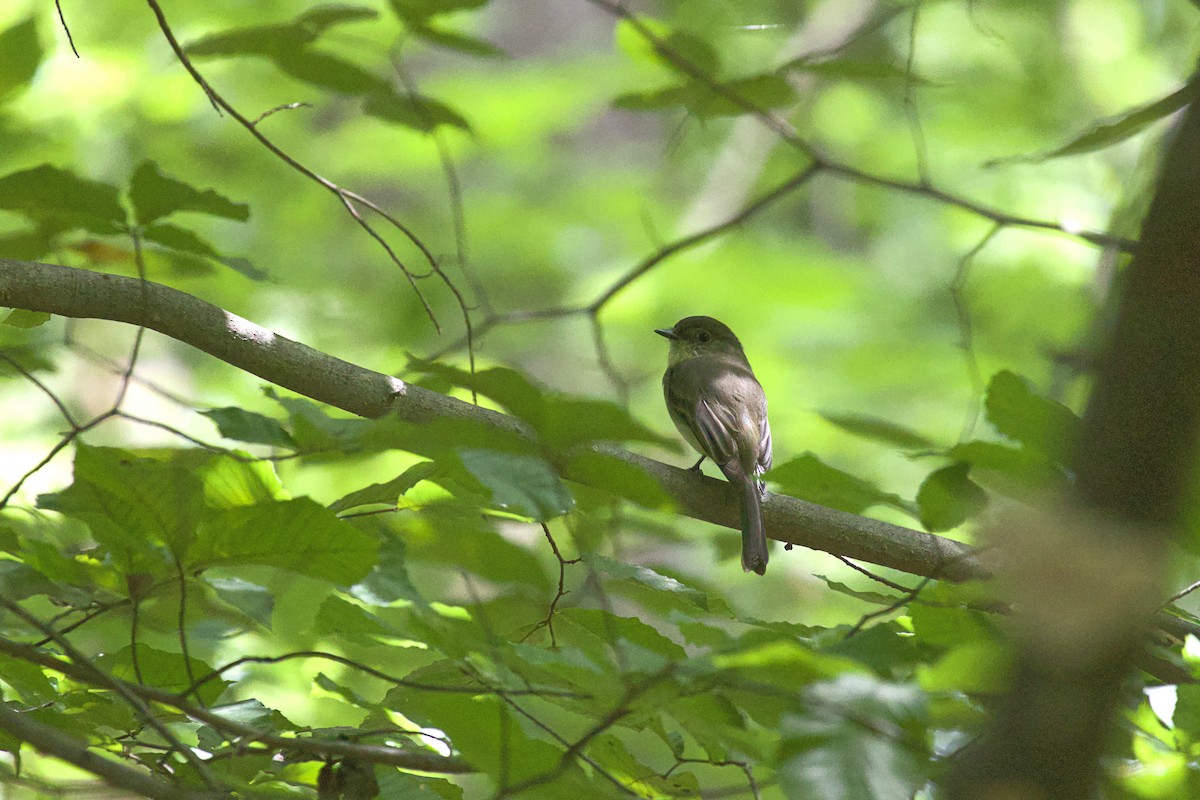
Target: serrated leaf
46, 192
297, 535
880, 430
948, 498
155, 195
247, 426
1037, 422
856, 739
131, 503
811, 479
20, 55
524, 485
420, 113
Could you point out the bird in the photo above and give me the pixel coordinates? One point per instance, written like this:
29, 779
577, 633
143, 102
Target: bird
720, 408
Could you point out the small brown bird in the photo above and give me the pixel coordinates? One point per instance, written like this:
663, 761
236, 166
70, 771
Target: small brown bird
718, 405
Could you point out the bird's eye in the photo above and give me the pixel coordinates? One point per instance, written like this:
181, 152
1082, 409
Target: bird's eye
702, 336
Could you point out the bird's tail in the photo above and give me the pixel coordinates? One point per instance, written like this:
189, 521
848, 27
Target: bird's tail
754, 537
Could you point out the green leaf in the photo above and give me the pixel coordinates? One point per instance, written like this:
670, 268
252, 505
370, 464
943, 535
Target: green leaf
610, 753
851, 70
620, 477
20, 56
232, 483
445, 534
385, 493
508, 387
856, 739
256, 602
163, 670
880, 430
978, 667
419, 11
47, 192
298, 535
1019, 471
420, 113
20, 581
572, 421
264, 40
22, 318
1116, 129
339, 617
689, 47
524, 485
484, 730
809, 478
27, 679
323, 17
131, 503
948, 498
1037, 422
329, 72
155, 195
759, 92
247, 426
664, 591
458, 41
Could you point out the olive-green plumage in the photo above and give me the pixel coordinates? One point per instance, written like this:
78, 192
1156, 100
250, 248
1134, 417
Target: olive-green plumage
718, 405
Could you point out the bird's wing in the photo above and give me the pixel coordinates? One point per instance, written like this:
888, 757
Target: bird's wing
711, 432
764, 445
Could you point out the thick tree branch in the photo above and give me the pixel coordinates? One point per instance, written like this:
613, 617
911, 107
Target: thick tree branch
79, 293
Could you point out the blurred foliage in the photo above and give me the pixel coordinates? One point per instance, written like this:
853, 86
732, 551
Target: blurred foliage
440, 588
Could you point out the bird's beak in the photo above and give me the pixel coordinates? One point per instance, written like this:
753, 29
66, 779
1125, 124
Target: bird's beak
668, 333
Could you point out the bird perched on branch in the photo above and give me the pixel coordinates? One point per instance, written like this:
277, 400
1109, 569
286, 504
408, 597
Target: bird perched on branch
718, 405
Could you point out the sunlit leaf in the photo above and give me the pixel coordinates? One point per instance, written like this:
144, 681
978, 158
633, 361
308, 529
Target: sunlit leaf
297, 535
